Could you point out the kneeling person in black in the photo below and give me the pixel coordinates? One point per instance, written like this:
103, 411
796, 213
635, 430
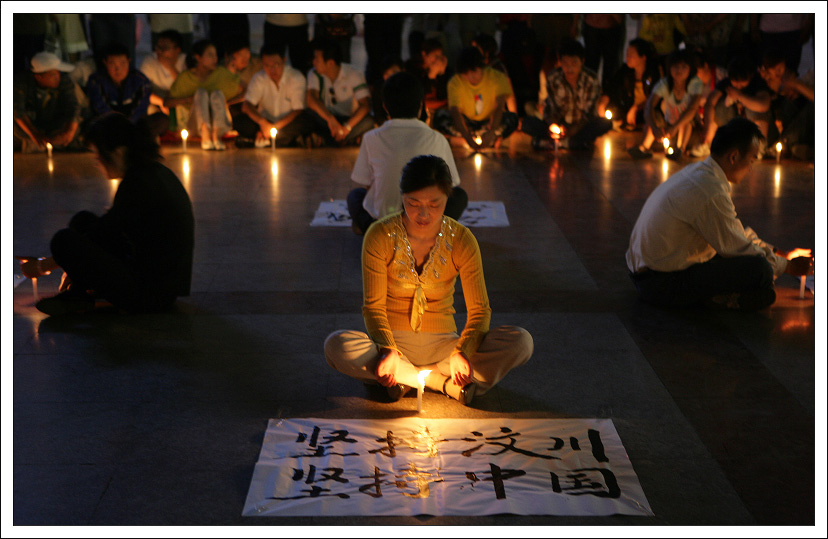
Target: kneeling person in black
139, 254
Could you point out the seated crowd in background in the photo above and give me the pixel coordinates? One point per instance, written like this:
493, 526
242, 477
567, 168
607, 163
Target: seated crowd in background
683, 77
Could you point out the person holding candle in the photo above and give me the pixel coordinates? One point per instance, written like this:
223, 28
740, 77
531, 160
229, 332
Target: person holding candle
689, 248
201, 95
672, 107
139, 254
385, 151
625, 95
410, 264
275, 98
477, 97
572, 102
46, 108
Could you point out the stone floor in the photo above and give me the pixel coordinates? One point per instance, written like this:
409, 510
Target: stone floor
159, 419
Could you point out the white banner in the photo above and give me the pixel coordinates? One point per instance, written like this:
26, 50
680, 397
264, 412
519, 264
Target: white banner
413, 466
490, 213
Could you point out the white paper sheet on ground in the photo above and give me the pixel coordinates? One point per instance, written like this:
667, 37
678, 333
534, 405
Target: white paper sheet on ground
479, 213
413, 466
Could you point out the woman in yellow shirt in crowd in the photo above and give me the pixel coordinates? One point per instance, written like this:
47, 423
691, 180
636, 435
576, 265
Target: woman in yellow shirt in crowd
410, 263
202, 93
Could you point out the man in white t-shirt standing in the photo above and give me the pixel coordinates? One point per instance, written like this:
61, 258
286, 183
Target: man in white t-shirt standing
339, 101
386, 150
275, 98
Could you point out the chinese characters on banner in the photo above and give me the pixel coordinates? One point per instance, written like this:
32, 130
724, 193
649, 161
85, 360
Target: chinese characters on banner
412, 466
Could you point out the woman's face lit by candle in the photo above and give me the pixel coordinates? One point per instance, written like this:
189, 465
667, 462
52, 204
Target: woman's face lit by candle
424, 208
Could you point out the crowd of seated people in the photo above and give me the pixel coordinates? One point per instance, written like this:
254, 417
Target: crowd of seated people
679, 79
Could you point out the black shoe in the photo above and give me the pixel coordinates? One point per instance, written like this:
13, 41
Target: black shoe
244, 142
637, 154
69, 302
396, 392
675, 156
463, 395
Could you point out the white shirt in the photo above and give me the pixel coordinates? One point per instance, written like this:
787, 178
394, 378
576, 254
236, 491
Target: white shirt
159, 76
348, 88
276, 102
688, 220
383, 154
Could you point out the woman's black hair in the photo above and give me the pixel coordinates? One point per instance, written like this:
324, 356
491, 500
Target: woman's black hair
197, 48
680, 56
113, 130
424, 171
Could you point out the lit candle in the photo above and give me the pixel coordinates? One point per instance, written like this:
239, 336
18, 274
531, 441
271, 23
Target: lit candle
34, 288
778, 151
273, 132
478, 140
49, 149
802, 287
666, 142
555, 130
421, 376
608, 114
184, 135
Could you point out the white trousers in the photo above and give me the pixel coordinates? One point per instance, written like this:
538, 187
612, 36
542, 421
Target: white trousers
504, 348
210, 109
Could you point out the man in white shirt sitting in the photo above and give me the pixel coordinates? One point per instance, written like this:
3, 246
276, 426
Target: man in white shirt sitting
688, 247
275, 98
162, 67
339, 101
386, 150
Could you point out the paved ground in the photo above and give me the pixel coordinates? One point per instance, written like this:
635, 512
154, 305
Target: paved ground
159, 419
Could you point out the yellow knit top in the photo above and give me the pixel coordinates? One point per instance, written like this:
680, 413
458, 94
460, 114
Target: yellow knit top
396, 297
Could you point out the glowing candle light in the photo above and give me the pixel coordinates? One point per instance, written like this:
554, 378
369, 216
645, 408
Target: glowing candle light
184, 135
556, 131
478, 140
51, 166
778, 151
607, 149
794, 254
478, 161
666, 142
421, 376
273, 132
802, 287
608, 114
34, 288
669, 151
49, 149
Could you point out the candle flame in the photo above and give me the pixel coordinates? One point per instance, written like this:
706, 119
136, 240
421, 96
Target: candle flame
666, 142
184, 134
608, 114
478, 161
478, 140
778, 146
798, 252
421, 376
669, 151
555, 129
48, 145
273, 132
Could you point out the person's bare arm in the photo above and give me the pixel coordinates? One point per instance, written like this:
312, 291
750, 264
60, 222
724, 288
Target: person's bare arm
460, 125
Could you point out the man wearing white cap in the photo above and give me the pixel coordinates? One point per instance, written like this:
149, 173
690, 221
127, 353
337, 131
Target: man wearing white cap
45, 105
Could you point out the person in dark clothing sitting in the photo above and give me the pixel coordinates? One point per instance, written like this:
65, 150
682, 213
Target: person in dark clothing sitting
625, 95
139, 254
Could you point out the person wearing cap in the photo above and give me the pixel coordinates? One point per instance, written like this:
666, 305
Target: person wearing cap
46, 109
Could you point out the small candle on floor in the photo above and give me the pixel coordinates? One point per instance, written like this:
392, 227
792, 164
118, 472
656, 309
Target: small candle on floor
802, 287
421, 376
184, 135
34, 289
273, 132
778, 151
49, 149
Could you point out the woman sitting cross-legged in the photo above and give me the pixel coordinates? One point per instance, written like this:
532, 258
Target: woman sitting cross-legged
202, 93
410, 263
